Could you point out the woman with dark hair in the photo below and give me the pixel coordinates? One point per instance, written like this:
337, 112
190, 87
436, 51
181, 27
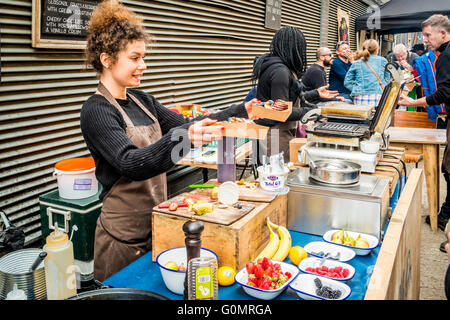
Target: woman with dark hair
278, 73
133, 139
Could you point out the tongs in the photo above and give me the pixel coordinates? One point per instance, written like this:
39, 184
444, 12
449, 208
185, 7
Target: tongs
312, 115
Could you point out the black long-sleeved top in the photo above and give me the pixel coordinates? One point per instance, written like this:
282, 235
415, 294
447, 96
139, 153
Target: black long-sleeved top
442, 94
277, 82
115, 155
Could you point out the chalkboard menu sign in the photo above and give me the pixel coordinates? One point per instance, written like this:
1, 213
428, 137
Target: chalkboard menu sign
61, 23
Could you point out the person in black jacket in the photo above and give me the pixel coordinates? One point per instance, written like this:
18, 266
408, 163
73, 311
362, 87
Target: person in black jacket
278, 73
436, 36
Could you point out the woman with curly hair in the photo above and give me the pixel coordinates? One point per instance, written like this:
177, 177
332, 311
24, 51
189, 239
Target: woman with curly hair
133, 139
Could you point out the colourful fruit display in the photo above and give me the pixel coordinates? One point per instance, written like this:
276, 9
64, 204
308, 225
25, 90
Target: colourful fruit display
266, 275
337, 272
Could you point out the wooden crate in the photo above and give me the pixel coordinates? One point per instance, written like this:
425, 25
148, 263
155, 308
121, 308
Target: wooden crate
235, 244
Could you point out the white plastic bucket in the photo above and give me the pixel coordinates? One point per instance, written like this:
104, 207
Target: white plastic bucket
76, 184
272, 181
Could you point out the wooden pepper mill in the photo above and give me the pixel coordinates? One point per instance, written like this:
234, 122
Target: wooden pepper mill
192, 230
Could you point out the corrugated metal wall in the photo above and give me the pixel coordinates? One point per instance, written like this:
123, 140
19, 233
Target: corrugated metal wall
203, 53
356, 9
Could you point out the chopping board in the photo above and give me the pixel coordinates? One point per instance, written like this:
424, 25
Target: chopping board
245, 193
224, 216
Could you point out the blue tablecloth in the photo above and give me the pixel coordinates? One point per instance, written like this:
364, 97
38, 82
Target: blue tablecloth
145, 274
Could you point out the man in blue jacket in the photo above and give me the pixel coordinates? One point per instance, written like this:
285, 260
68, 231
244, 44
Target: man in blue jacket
339, 68
436, 36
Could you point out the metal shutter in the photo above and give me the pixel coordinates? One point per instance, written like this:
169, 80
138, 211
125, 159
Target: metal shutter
203, 53
306, 16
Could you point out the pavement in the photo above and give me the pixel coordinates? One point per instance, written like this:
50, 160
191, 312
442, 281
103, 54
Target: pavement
433, 262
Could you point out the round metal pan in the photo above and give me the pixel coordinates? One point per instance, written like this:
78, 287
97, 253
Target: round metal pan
335, 172
118, 294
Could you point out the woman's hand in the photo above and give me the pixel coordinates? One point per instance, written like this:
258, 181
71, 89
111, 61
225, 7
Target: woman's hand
324, 93
203, 132
248, 108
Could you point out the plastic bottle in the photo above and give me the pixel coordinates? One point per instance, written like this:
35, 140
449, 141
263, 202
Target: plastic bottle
60, 275
16, 294
226, 162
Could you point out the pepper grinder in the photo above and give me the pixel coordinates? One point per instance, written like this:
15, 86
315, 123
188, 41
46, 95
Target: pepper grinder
192, 230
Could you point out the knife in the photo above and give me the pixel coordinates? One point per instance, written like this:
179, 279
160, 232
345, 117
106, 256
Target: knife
193, 186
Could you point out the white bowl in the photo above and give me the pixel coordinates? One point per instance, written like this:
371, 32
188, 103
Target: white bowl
306, 289
315, 247
368, 146
174, 279
314, 263
373, 241
242, 278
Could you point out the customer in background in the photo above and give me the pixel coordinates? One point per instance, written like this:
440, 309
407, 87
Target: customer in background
418, 49
316, 76
339, 68
277, 74
402, 56
367, 76
436, 37
447, 274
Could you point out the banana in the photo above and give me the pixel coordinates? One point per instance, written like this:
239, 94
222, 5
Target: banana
272, 246
285, 243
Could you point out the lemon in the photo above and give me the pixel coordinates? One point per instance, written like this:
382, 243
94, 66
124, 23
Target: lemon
297, 254
171, 265
226, 275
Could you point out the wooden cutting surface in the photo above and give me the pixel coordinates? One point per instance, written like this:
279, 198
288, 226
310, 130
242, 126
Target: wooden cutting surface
224, 216
245, 193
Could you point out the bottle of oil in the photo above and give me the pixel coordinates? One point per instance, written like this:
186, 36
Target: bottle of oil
202, 280
60, 275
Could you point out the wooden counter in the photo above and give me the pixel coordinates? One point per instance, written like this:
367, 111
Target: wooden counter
235, 244
396, 275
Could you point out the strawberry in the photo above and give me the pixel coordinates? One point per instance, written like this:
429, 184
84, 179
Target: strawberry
288, 275
250, 266
251, 284
276, 266
268, 271
266, 263
252, 278
275, 276
259, 271
259, 261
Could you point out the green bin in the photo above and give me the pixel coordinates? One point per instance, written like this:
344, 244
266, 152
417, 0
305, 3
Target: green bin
69, 212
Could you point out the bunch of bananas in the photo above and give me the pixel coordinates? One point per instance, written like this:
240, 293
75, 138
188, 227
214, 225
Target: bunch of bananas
279, 244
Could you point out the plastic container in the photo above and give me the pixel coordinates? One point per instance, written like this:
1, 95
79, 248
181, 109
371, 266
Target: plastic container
76, 178
60, 275
202, 282
226, 162
272, 181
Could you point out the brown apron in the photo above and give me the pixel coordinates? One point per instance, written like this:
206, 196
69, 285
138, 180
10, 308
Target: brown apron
283, 133
123, 231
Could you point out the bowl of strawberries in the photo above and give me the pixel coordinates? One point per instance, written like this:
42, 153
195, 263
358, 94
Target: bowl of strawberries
265, 279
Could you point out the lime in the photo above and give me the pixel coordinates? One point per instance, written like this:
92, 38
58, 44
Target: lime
171, 265
226, 275
297, 254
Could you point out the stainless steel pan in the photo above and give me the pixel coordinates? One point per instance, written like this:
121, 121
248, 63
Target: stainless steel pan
337, 172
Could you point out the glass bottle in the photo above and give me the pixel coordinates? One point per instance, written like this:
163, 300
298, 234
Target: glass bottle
226, 162
202, 280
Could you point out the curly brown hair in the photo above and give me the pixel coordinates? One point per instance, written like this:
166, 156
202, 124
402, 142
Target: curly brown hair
111, 28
